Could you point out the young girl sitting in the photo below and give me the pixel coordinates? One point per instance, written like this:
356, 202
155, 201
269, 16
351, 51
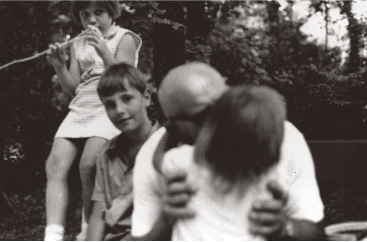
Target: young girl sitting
86, 128
236, 153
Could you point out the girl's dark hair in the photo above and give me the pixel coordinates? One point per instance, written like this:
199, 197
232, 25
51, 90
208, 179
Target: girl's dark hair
112, 7
115, 77
242, 136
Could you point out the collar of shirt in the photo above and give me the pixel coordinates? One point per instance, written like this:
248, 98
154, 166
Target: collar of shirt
119, 146
111, 32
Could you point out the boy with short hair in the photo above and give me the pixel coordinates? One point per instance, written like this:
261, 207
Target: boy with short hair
125, 97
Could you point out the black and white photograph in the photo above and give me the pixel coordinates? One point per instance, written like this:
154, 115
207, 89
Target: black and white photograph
218, 120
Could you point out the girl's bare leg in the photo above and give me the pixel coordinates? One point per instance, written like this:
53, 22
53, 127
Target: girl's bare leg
58, 164
87, 169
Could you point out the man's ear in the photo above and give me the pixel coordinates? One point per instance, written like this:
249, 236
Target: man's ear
148, 97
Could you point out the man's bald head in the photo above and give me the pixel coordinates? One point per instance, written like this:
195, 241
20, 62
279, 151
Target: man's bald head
185, 95
189, 89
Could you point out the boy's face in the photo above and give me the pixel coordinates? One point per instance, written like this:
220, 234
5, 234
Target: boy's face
127, 109
96, 16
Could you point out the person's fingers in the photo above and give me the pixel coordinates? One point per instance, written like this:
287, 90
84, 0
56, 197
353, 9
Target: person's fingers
52, 49
52, 46
174, 212
264, 230
270, 206
95, 31
263, 218
58, 49
90, 38
175, 176
277, 190
179, 187
93, 40
92, 28
180, 199
58, 46
52, 53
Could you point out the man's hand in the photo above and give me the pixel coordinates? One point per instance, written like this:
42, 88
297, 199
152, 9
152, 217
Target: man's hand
268, 217
176, 197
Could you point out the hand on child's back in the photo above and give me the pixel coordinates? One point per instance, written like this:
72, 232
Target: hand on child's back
267, 216
178, 191
177, 195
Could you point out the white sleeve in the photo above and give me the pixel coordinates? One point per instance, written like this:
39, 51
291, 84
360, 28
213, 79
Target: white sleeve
304, 195
147, 183
177, 159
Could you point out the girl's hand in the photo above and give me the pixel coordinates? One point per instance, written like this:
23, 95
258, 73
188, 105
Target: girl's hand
56, 55
95, 38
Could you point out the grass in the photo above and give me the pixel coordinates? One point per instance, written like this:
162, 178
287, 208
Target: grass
27, 221
28, 218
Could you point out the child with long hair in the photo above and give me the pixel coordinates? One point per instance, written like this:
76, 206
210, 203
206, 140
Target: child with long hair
86, 128
235, 155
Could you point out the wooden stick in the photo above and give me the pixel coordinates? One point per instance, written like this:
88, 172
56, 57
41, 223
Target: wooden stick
44, 52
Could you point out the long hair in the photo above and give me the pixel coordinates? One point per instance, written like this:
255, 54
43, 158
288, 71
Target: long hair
111, 6
115, 77
242, 136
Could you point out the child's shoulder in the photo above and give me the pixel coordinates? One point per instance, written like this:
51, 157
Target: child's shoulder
127, 32
110, 146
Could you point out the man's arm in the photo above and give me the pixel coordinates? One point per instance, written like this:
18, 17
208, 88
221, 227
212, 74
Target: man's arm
161, 231
297, 213
269, 219
148, 222
176, 196
177, 191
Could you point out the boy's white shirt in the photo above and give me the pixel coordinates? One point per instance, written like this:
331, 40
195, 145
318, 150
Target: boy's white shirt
295, 170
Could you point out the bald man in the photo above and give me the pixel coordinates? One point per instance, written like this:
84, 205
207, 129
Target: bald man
186, 96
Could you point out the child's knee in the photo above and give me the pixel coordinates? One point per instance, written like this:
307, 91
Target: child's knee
86, 168
56, 168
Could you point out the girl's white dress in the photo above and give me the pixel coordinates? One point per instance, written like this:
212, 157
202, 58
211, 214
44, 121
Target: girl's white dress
87, 116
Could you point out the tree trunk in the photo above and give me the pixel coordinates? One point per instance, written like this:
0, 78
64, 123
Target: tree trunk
354, 32
198, 24
274, 33
326, 25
